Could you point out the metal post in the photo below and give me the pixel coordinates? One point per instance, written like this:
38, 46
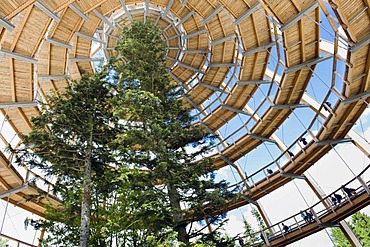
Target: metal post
266, 238
315, 216
260, 209
362, 182
316, 189
6, 210
265, 219
351, 237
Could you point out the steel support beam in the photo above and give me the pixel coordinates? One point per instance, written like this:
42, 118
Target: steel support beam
351, 237
168, 7
78, 12
213, 14
360, 96
173, 37
194, 51
253, 82
113, 37
118, 25
258, 49
128, 14
227, 160
222, 40
248, 199
299, 16
6, 24
247, 13
360, 44
19, 56
291, 175
210, 87
146, 10
86, 59
92, 38
103, 17
292, 106
208, 128
186, 66
194, 34
51, 77
221, 65
230, 108
18, 104
175, 78
13, 191
333, 142
360, 142
191, 103
185, 18
47, 11
59, 43
266, 219
307, 64
261, 138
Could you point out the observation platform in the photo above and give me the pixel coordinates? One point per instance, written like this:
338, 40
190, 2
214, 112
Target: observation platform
324, 214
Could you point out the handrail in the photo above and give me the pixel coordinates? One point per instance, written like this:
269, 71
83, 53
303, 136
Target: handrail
274, 162
17, 240
319, 214
30, 176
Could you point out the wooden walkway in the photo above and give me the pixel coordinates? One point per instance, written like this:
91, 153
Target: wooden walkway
325, 214
24, 192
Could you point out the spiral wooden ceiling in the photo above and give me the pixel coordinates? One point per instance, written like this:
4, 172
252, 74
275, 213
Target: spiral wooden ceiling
247, 65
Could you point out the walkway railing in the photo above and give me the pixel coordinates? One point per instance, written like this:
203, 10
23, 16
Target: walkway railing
318, 211
11, 241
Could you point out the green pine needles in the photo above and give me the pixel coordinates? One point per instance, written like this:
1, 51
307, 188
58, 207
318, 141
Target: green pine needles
131, 165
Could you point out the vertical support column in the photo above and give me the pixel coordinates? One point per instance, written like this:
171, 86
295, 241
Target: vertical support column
316, 189
263, 214
347, 231
260, 209
363, 183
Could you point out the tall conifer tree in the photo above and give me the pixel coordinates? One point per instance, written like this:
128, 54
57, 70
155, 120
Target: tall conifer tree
156, 183
159, 132
70, 141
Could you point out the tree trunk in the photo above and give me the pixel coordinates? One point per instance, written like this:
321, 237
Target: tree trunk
178, 219
86, 197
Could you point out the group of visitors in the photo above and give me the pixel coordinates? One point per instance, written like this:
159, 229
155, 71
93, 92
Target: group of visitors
336, 198
307, 216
